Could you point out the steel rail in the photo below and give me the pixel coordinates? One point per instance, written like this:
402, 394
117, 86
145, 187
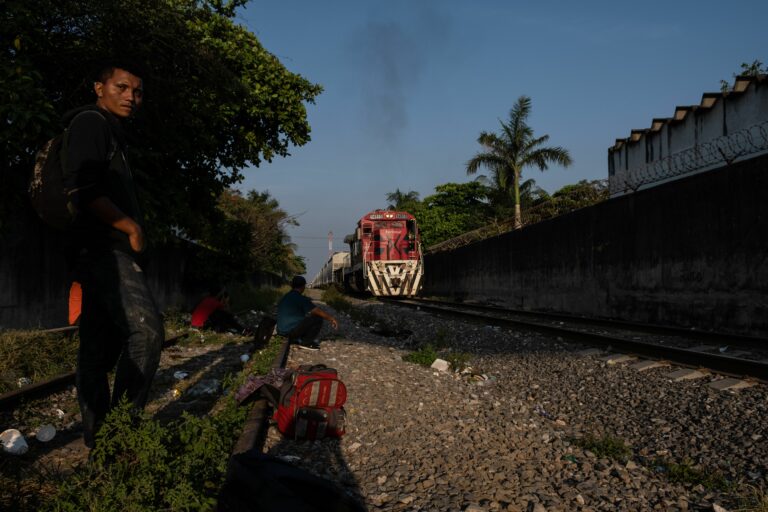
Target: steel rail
40, 389
740, 339
722, 364
255, 428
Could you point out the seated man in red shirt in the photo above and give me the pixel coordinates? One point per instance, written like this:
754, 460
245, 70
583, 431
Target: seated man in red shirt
213, 313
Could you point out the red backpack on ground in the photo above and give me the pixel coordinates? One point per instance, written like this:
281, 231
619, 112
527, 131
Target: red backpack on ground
311, 404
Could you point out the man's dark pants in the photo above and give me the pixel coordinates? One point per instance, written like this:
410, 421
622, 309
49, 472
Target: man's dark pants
307, 330
120, 325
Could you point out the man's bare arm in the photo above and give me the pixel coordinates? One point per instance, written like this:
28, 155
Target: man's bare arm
322, 314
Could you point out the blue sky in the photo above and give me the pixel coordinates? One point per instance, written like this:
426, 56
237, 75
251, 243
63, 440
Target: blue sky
409, 85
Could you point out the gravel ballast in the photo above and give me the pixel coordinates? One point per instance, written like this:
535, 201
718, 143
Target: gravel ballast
508, 434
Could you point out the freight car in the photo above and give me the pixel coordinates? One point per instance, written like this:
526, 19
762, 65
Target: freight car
332, 271
385, 255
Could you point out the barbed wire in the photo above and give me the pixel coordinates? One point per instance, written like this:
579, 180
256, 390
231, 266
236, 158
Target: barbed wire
722, 150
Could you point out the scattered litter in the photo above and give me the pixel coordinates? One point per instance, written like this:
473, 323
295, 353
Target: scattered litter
13, 442
441, 365
245, 358
59, 413
723, 349
539, 409
569, 458
24, 381
204, 387
180, 375
289, 458
45, 433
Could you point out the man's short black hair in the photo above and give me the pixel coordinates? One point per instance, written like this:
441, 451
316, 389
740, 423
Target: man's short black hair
107, 68
298, 282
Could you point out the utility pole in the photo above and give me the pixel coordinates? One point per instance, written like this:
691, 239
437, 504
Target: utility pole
330, 244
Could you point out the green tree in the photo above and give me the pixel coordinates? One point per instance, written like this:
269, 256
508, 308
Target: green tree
508, 153
455, 208
754, 68
567, 199
216, 102
269, 246
402, 201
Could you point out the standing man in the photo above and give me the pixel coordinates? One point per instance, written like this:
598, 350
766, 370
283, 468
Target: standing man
299, 319
120, 326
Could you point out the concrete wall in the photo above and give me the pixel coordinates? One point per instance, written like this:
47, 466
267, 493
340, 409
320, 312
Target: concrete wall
732, 114
34, 281
692, 252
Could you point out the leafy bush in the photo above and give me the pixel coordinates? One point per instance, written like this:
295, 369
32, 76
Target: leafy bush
425, 356
140, 464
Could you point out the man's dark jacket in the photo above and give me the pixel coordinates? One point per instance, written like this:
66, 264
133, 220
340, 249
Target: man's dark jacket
95, 166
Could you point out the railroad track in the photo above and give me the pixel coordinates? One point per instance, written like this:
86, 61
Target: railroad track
733, 355
55, 384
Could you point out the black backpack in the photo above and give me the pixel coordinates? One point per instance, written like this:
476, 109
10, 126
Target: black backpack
47, 192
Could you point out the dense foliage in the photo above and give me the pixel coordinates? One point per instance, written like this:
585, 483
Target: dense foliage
268, 246
453, 209
466, 210
215, 100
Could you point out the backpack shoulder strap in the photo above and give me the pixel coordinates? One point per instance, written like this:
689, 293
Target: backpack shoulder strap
113, 144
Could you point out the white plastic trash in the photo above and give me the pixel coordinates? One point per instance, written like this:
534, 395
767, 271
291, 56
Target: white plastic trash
13, 442
180, 375
45, 433
23, 381
244, 358
441, 365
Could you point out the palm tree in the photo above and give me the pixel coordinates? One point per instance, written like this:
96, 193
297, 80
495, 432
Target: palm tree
402, 200
514, 149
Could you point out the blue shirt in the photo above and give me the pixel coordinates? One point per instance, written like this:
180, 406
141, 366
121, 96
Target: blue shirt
291, 310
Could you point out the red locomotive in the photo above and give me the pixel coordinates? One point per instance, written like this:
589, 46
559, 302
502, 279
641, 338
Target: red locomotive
385, 255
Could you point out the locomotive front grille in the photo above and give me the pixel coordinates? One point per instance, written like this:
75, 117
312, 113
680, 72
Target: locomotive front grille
394, 278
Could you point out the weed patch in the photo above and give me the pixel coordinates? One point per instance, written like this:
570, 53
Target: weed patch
35, 356
425, 356
608, 446
686, 472
459, 361
335, 299
140, 464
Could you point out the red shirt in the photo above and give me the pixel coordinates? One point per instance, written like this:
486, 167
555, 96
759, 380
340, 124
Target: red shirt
203, 310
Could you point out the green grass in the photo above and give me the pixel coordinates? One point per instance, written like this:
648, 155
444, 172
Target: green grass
605, 447
336, 299
425, 356
459, 361
752, 499
686, 472
34, 355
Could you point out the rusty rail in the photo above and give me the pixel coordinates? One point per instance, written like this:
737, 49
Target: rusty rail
39, 389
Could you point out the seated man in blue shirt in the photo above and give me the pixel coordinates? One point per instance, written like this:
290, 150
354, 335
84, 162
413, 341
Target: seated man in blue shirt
299, 319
